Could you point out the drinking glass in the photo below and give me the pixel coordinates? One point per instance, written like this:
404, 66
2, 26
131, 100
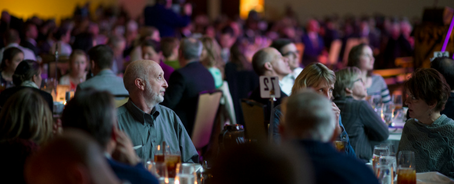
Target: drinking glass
387, 113
186, 173
397, 100
379, 150
406, 173
385, 170
169, 157
158, 169
340, 144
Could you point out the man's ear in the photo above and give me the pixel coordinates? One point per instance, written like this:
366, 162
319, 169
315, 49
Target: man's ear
140, 83
268, 66
92, 62
348, 91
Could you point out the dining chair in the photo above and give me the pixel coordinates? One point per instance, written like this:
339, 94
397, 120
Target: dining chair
207, 108
254, 119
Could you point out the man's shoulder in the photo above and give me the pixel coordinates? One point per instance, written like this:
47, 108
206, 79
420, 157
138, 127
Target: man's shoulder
121, 111
165, 110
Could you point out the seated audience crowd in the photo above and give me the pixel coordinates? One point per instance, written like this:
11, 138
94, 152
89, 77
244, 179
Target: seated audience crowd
134, 92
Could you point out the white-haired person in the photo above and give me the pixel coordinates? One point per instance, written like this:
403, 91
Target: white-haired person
321, 79
309, 122
361, 121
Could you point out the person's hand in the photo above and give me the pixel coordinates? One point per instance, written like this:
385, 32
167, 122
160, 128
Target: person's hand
187, 9
124, 151
337, 112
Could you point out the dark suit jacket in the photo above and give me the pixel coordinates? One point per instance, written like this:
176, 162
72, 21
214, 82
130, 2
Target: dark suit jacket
165, 20
311, 52
185, 84
5, 95
330, 166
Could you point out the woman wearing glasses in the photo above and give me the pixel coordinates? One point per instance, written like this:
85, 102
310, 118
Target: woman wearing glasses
360, 120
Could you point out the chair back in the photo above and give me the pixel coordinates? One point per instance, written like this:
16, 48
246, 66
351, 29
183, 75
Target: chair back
227, 103
207, 108
334, 51
254, 119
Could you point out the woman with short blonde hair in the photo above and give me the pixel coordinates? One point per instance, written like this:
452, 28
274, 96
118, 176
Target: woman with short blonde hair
312, 75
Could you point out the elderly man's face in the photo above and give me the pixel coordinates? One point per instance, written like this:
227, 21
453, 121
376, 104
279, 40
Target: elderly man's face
156, 85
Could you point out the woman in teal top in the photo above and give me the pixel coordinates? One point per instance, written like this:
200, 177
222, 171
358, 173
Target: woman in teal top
211, 59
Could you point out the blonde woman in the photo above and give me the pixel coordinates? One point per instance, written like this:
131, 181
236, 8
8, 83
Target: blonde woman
25, 123
360, 120
211, 59
321, 79
77, 69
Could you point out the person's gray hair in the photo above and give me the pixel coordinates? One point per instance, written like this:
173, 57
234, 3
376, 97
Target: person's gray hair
308, 115
345, 78
191, 48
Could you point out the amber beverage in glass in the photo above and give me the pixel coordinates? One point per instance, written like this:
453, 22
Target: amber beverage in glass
406, 176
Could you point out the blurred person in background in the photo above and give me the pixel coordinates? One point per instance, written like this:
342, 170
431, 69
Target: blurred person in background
12, 39
62, 37
211, 59
428, 133
151, 50
26, 124
362, 123
117, 44
186, 83
165, 19
309, 122
313, 43
226, 39
11, 58
146, 33
27, 76
241, 78
78, 66
30, 35
361, 56
445, 66
83, 41
170, 46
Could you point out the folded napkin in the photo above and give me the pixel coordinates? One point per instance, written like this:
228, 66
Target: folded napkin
432, 178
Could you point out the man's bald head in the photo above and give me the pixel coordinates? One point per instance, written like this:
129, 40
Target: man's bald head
308, 115
137, 69
12, 36
262, 57
71, 158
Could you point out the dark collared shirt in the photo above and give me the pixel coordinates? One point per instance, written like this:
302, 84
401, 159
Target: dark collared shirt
148, 130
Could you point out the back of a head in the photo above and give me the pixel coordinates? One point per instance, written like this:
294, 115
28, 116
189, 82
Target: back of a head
168, 44
102, 55
278, 44
11, 36
92, 112
25, 71
8, 54
445, 66
228, 30
213, 51
60, 33
260, 58
62, 160
26, 115
260, 163
83, 41
312, 75
238, 58
115, 40
345, 79
191, 48
308, 115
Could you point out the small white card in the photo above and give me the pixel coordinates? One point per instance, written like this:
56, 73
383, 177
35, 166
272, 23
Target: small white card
439, 54
269, 86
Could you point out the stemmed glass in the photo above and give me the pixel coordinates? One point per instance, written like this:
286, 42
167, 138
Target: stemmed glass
186, 173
